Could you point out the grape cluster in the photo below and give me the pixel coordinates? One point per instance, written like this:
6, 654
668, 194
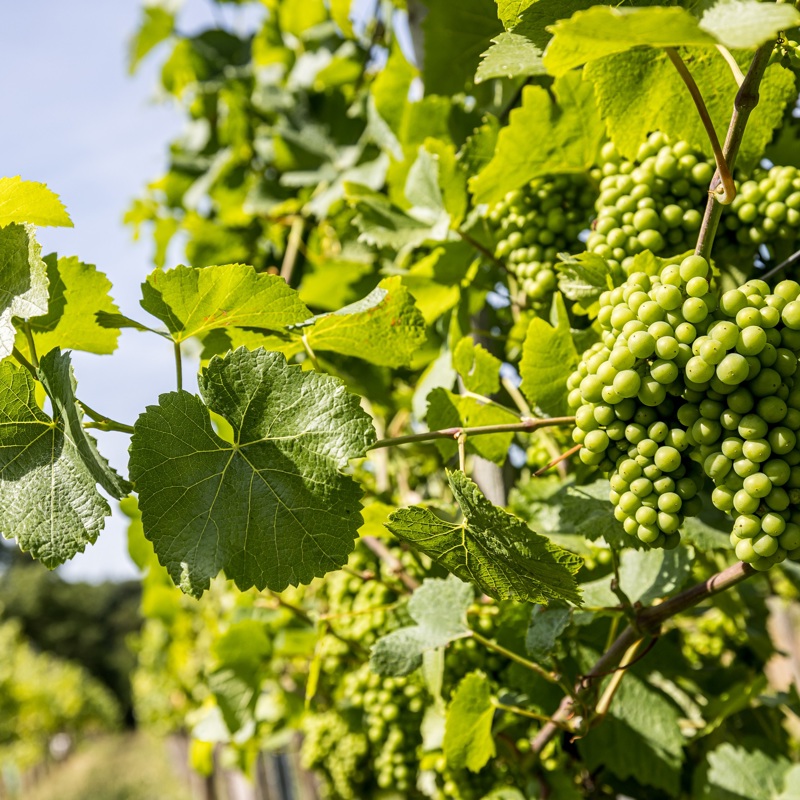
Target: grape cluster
684, 384
535, 224
650, 203
766, 210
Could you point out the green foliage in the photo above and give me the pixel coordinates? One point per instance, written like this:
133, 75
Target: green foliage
490, 547
371, 245
287, 425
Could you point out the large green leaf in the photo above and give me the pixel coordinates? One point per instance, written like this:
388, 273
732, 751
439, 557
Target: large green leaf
384, 328
646, 80
468, 740
568, 133
745, 24
736, 773
439, 609
454, 42
48, 494
640, 738
191, 302
491, 548
27, 201
272, 508
23, 280
548, 359
536, 20
77, 292
603, 30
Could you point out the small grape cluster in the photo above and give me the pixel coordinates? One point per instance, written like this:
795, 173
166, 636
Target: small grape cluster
766, 210
650, 203
685, 384
535, 224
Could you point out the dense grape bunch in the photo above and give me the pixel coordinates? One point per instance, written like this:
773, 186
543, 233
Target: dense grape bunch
766, 211
535, 224
650, 203
686, 383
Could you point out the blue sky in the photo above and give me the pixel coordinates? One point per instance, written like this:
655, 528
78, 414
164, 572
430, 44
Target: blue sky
74, 119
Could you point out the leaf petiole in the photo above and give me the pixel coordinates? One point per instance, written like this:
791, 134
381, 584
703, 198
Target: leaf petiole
510, 654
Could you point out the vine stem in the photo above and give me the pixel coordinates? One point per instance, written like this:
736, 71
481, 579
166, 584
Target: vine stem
738, 75
726, 179
24, 362
310, 352
647, 622
178, 365
26, 327
793, 259
292, 248
523, 712
512, 656
527, 424
746, 100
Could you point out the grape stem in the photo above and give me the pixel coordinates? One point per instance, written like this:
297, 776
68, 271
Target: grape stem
738, 75
178, 365
790, 262
26, 327
727, 192
648, 622
524, 425
511, 655
746, 100
292, 248
558, 460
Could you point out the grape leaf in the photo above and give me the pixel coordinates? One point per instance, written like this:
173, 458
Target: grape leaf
511, 55
27, 201
48, 495
384, 328
23, 280
454, 42
647, 80
449, 410
491, 548
584, 277
544, 629
641, 738
479, 148
478, 368
535, 21
468, 738
273, 508
58, 380
157, 25
644, 576
340, 12
603, 31
509, 11
192, 301
548, 359
746, 24
568, 133
439, 609
736, 773
77, 292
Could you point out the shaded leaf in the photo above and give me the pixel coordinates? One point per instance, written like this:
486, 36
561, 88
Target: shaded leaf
439, 609
545, 627
490, 548
23, 281
273, 508
48, 495
478, 368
